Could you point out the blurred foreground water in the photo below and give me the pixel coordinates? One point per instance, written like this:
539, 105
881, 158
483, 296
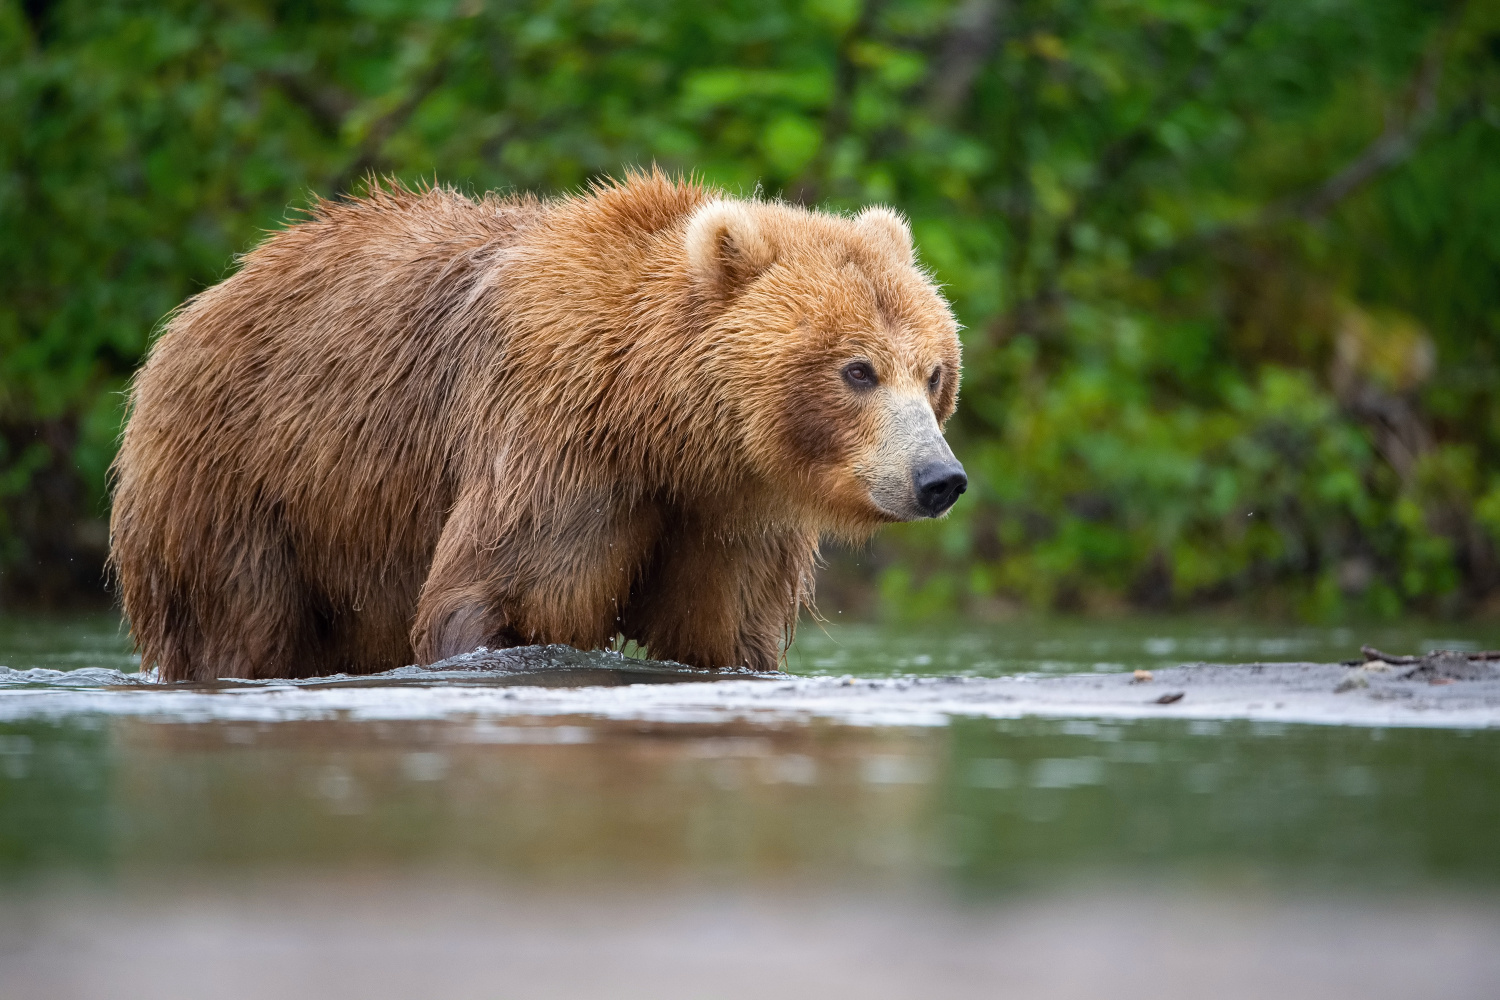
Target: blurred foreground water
160, 856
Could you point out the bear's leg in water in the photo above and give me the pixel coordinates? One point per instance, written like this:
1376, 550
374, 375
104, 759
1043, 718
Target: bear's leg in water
715, 599
250, 615
506, 577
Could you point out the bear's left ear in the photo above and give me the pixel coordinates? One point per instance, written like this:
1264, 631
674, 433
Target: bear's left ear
886, 226
727, 248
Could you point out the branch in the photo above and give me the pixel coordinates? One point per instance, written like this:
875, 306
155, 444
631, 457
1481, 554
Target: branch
326, 104
971, 37
807, 187
1394, 145
367, 156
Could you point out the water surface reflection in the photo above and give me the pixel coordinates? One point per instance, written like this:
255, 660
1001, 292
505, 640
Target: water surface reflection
974, 807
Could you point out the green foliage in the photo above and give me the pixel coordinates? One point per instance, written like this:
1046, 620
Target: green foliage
1230, 270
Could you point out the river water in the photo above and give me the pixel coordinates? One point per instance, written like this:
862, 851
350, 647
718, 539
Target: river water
154, 853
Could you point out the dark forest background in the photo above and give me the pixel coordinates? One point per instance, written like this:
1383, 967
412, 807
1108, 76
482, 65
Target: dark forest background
1229, 270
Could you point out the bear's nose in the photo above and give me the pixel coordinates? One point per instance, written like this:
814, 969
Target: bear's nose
938, 484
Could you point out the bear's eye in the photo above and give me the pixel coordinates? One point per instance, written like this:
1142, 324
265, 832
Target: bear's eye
860, 375
935, 381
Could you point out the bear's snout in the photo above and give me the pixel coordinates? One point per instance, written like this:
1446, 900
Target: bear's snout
912, 472
938, 485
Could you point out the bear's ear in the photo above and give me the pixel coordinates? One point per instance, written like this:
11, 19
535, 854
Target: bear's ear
726, 247
889, 229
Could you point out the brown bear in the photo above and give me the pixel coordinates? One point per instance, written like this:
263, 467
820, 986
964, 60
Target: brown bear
415, 424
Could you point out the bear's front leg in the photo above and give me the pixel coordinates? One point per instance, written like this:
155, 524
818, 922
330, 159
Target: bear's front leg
508, 576
716, 599
461, 605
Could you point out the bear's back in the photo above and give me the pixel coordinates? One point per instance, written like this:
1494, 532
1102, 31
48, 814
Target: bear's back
336, 341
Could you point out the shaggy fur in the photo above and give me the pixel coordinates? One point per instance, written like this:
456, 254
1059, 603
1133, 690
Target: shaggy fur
416, 423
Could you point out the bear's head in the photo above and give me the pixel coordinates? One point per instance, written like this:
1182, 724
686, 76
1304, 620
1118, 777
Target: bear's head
836, 354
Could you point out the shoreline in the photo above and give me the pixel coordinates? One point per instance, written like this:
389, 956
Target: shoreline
547, 682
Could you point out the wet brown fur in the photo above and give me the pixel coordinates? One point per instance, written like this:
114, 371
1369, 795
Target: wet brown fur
417, 423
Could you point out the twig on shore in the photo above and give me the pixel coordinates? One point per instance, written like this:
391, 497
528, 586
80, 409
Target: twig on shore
1371, 653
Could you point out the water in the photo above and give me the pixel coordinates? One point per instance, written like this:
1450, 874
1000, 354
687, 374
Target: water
1036, 645
49, 642
920, 858
1073, 646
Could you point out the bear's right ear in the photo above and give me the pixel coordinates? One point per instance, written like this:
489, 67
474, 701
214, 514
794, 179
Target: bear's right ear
726, 248
889, 229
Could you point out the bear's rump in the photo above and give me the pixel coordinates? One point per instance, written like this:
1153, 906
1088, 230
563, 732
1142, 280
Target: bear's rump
285, 468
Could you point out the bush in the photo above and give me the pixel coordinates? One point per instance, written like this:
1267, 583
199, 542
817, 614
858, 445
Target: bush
1230, 271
